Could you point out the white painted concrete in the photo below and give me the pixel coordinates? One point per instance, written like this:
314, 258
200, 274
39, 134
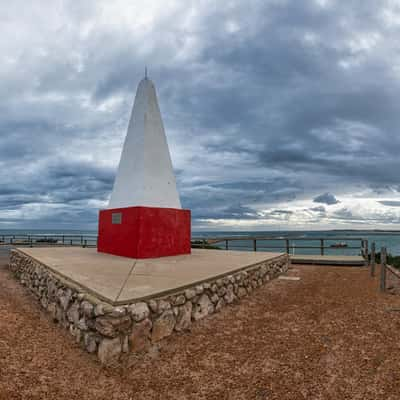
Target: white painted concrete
145, 176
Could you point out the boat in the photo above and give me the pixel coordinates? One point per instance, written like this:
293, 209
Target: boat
339, 245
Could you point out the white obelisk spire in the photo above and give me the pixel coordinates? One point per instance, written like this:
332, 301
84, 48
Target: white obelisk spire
145, 176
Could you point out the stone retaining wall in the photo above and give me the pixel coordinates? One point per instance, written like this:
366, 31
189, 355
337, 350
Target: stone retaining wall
112, 332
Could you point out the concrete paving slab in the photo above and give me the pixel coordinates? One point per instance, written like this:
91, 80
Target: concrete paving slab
102, 274
327, 260
288, 278
120, 280
166, 274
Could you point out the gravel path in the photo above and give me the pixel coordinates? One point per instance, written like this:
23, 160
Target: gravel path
330, 335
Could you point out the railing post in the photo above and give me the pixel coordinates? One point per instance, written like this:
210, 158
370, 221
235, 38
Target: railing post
366, 252
322, 247
226, 244
63, 239
373, 259
255, 245
287, 246
383, 269
85, 243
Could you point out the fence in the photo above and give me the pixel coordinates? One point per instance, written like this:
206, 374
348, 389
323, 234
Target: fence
290, 245
49, 240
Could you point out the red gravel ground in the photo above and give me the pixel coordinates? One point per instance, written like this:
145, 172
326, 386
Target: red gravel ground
331, 335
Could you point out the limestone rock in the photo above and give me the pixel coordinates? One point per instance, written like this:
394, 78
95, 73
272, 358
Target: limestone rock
111, 327
87, 309
220, 305
180, 300
184, 319
59, 313
199, 289
242, 292
51, 308
125, 344
202, 308
221, 291
139, 311
73, 313
65, 299
82, 324
90, 342
109, 351
163, 326
99, 310
229, 296
80, 296
140, 336
153, 306
163, 305
190, 293
214, 298
117, 312
44, 302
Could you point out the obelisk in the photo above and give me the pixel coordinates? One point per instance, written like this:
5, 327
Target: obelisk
144, 218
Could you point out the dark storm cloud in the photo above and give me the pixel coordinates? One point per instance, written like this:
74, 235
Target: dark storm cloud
326, 198
390, 203
264, 103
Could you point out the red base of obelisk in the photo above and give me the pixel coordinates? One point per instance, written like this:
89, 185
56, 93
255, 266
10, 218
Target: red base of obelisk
144, 232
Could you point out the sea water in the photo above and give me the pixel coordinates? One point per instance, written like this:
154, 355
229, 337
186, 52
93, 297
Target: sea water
297, 239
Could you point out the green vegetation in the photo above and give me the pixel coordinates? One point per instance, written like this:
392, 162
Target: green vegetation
394, 261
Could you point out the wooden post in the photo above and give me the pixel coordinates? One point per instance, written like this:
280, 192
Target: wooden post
287, 246
366, 252
226, 244
322, 247
383, 269
373, 259
255, 244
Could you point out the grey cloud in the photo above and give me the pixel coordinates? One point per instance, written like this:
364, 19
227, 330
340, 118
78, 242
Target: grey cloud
251, 122
326, 198
390, 203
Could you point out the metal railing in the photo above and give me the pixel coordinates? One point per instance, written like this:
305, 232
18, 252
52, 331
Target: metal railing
288, 244
315, 245
48, 240
385, 267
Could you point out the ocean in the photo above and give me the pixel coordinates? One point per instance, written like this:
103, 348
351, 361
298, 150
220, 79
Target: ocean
309, 239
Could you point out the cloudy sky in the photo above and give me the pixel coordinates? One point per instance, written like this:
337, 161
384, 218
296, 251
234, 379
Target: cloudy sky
279, 114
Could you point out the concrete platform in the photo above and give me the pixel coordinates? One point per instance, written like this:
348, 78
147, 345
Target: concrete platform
327, 260
120, 280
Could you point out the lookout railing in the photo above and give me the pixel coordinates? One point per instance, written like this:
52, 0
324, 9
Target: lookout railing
49, 240
315, 245
290, 245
